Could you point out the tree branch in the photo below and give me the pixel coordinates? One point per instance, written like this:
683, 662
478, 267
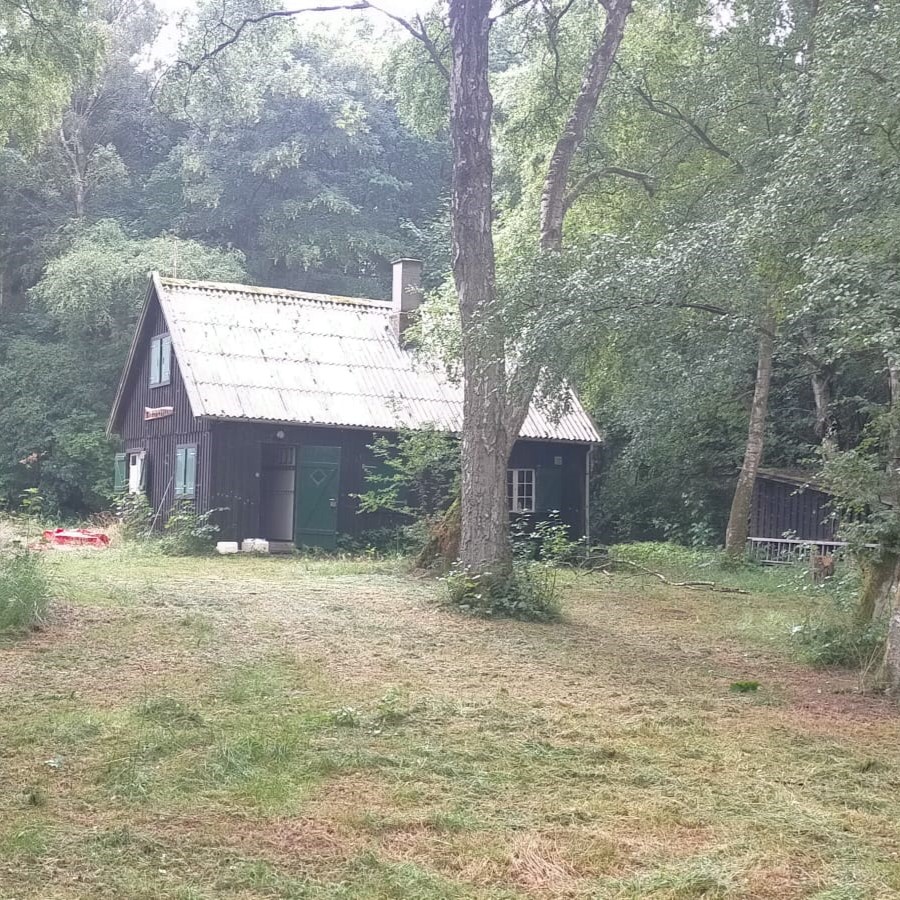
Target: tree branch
672, 112
511, 8
594, 79
417, 30
645, 179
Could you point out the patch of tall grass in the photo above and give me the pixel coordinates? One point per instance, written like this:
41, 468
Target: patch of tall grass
24, 592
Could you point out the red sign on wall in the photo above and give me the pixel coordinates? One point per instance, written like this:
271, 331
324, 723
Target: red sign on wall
157, 412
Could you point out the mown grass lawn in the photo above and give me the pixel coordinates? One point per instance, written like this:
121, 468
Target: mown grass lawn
261, 728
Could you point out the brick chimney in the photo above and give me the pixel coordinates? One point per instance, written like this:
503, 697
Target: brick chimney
407, 294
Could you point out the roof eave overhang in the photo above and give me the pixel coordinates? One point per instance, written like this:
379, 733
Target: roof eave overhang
582, 442
116, 412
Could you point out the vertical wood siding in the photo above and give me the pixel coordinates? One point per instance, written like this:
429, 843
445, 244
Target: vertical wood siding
542, 454
236, 468
236, 462
780, 508
159, 437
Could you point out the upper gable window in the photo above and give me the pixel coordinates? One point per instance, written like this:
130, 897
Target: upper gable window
160, 360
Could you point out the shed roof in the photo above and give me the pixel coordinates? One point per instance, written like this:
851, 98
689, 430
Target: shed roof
801, 478
264, 354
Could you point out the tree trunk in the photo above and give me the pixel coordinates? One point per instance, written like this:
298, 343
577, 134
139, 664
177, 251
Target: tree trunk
821, 388
484, 540
887, 600
880, 584
493, 411
553, 197
739, 519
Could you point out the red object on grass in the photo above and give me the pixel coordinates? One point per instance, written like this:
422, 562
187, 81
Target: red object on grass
76, 537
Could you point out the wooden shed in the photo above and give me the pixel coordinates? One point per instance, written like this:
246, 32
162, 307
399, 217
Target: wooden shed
790, 508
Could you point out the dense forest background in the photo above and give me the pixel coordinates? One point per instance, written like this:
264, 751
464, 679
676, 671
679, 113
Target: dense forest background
738, 187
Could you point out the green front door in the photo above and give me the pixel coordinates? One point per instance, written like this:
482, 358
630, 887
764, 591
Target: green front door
318, 485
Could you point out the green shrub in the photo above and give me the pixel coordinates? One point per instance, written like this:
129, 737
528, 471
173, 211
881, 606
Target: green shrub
528, 592
416, 475
548, 540
833, 634
187, 532
135, 514
855, 645
24, 592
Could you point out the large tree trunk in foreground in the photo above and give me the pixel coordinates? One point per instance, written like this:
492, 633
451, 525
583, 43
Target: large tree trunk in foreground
739, 519
553, 196
484, 541
494, 408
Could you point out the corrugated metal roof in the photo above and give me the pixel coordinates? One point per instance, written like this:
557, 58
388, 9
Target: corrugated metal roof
284, 356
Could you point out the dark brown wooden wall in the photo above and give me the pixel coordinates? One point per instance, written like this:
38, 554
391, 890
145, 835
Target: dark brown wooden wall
235, 473
779, 508
542, 454
236, 460
160, 437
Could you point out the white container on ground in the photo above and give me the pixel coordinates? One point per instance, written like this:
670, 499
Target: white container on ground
255, 545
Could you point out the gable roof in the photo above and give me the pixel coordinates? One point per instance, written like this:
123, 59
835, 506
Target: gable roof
270, 355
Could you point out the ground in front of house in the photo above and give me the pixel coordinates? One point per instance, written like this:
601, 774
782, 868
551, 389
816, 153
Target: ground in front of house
262, 728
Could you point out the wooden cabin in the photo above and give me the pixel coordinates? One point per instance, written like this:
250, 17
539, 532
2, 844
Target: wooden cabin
264, 403
791, 511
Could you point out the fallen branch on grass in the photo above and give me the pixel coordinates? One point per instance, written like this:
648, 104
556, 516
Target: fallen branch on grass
690, 585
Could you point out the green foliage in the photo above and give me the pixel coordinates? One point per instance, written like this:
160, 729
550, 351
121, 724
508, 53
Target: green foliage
864, 491
744, 687
25, 592
846, 642
658, 554
46, 46
398, 540
417, 475
135, 515
547, 540
99, 283
529, 592
187, 532
833, 632
295, 156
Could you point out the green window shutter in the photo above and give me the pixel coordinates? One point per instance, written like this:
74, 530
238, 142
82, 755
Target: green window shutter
190, 471
186, 471
165, 360
548, 488
180, 454
119, 472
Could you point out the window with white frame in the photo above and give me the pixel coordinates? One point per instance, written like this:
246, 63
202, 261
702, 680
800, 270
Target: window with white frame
160, 360
520, 490
136, 471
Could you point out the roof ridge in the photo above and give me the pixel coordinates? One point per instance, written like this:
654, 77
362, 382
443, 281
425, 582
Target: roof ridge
237, 288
